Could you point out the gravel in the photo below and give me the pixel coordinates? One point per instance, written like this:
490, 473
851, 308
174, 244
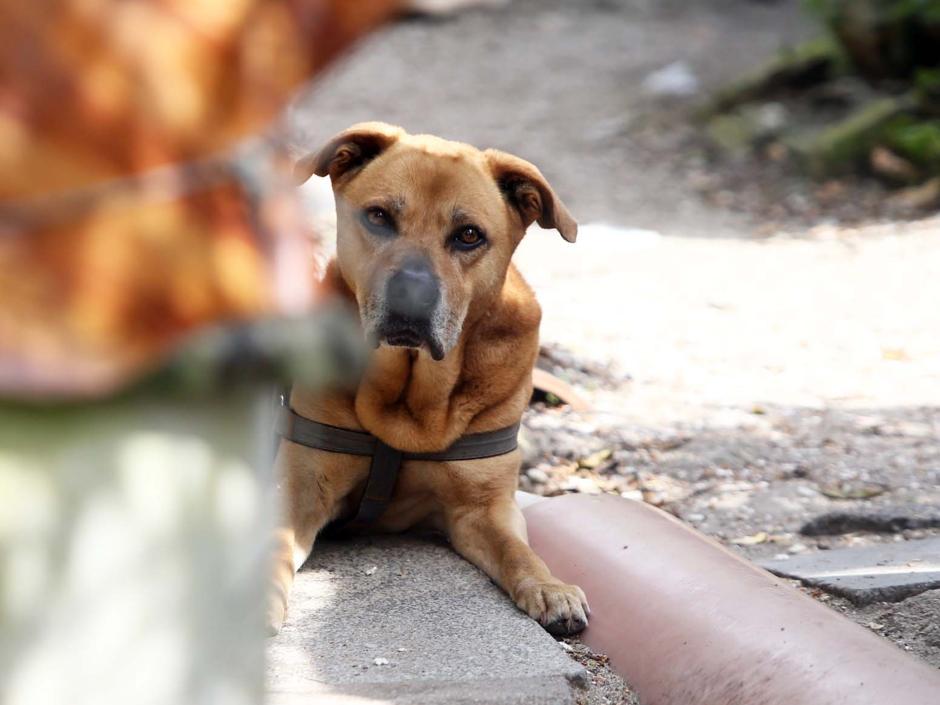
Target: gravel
604, 686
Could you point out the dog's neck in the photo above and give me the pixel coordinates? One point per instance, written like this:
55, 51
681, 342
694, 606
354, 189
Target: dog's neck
396, 379
408, 398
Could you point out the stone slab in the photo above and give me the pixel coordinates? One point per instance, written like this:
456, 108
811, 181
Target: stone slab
887, 572
406, 620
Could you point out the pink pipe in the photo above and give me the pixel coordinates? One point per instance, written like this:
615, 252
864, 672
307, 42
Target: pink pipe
687, 622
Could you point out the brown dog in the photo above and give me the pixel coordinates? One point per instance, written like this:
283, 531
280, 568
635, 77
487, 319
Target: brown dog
425, 232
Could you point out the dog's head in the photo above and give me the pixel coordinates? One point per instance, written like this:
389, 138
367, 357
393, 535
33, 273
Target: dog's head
426, 228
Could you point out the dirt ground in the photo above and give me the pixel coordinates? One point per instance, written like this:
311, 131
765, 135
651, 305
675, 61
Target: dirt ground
747, 369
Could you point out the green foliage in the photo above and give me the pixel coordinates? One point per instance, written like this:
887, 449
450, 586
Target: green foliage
846, 145
927, 83
820, 8
807, 63
916, 140
884, 39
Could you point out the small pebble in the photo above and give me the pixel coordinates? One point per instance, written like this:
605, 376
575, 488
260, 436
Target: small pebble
581, 484
537, 475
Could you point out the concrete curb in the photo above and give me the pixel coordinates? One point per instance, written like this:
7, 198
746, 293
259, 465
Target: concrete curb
404, 620
689, 623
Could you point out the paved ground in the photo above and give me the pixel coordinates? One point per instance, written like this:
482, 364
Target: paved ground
559, 83
772, 383
407, 621
865, 575
748, 378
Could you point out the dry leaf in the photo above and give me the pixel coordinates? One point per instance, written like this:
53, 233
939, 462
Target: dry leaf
923, 197
887, 163
661, 489
853, 490
595, 459
752, 540
895, 355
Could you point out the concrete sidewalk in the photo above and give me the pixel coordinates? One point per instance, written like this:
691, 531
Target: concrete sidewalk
405, 620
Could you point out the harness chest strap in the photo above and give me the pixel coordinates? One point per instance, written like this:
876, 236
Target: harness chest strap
386, 461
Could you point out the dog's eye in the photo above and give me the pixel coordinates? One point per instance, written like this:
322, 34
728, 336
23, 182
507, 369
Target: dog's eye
468, 238
378, 220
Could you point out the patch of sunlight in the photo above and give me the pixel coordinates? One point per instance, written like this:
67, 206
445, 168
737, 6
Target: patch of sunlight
916, 568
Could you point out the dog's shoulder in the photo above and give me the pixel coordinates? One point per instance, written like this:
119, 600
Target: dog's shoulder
505, 342
516, 312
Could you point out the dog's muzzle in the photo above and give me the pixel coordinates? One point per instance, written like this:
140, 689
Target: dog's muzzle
411, 296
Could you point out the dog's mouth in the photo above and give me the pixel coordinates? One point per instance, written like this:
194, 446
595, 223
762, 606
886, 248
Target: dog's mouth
409, 335
404, 339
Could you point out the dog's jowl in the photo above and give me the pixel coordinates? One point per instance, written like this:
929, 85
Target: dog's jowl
426, 229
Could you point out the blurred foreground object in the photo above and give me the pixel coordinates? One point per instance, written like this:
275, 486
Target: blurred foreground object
445, 7
155, 275
123, 225
132, 554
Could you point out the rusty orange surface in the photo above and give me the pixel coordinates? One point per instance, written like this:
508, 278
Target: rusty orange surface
121, 229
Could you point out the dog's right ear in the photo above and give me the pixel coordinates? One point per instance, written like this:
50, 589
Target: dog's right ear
348, 151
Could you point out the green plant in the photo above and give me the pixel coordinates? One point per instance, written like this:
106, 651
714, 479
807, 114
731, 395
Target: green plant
885, 39
916, 140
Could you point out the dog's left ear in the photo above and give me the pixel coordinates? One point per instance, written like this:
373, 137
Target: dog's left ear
529, 193
348, 151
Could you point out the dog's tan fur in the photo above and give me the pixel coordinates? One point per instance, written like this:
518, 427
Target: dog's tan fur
406, 398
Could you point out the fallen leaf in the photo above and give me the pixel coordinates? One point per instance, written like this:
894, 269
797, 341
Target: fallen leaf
922, 197
557, 391
661, 489
895, 355
886, 163
595, 459
853, 490
752, 540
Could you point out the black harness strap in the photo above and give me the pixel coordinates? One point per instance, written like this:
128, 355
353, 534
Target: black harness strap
383, 474
386, 461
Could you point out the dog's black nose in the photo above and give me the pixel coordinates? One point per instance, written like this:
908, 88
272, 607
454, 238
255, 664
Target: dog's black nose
413, 291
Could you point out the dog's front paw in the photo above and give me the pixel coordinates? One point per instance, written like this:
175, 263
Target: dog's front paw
562, 609
277, 611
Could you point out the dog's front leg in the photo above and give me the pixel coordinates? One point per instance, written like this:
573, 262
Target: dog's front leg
493, 537
311, 493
